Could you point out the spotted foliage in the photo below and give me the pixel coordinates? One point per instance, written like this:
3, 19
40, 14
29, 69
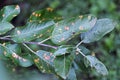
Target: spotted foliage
11, 51
46, 28
67, 29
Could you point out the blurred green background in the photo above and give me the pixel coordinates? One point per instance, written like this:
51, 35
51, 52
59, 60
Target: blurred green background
107, 49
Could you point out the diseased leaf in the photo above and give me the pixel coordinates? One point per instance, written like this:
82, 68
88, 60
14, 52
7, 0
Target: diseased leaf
44, 61
8, 71
5, 27
44, 15
102, 27
9, 12
67, 29
32, 31
13, 47
62, 64
11, 51
95, 63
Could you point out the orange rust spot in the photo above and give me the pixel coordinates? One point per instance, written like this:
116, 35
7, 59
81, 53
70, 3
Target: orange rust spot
49, 9
39, 15
33, 13
81, 27
47, 57
15, 55
67, 28
36, 15
17, 7
80, 16
36, 60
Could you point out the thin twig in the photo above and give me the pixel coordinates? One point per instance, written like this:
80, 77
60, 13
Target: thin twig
37, 43
5, 38
78, 50
44, 40
29, 48
79, 44
46, 45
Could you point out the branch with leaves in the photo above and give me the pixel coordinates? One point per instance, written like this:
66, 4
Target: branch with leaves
49, 30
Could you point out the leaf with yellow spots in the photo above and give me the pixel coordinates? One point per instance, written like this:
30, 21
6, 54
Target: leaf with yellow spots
44, 15
31, 31
44, 61
5, 27
11, 51
67, 29
9, 12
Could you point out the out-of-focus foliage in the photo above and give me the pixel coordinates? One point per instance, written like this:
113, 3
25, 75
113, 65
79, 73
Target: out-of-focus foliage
107, 50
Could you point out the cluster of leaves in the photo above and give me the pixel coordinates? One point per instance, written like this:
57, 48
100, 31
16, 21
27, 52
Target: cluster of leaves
45, 26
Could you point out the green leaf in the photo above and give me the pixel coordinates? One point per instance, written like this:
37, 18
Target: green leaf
9, 12
8, 71
13, 47
71, 75
4, 75
11, 50
84, 50
67, 29
63, 64
44, 61
64, 49
32, 31
102, 27
79, 60
94, 62
44, 15
5, 27
2, 53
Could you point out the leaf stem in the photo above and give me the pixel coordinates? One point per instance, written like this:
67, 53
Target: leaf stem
44, 40
37, 43
78, 50
5, 38
79, 44
46, 45
29, 48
